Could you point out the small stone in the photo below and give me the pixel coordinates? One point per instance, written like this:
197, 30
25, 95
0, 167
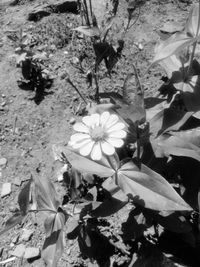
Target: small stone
3, 104
72, 120
140, 46
6, 189
17, 181
15, 239
13, 208
3, 161
66, 52
19, 251
3, 96
26, 235
31, 252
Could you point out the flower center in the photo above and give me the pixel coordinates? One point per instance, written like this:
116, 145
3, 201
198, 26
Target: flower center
97, 134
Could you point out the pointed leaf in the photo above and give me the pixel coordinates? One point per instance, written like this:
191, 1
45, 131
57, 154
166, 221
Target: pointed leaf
54, 243
175, 146
192, 22
24, 197
169, 119
149, 188
189, 136
45, 194
12, 222
172, 45
114, 189
101, 168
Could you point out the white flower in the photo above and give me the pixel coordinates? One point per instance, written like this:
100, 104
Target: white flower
97, 134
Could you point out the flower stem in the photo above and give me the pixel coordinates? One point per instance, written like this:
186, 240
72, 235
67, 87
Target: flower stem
138, 147
71, 83
194, 45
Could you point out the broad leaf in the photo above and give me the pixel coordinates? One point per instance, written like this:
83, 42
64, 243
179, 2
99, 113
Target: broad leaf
169, 119
175, 146
191, 95
46, 194
54, 243
24, 198
192, 23
149, 189
189, 136
12, 222
102, 168
114, 190
172, 45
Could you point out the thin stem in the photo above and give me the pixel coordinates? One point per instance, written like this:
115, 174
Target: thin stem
138, 147
86, 9
90, 8
71, 83
194, 45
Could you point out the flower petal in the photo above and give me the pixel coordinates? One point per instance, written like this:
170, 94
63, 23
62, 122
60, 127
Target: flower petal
95, 119
107, 148
87, 120
111, 121
116, 127
78, 137
116, 142
117, 134
80, 144
86, 149
104, 117
96, 153
80, 127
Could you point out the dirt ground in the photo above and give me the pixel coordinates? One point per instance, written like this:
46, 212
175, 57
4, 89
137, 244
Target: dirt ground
28, 129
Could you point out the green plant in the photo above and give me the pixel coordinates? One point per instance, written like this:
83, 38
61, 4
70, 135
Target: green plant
128, 152
34, 76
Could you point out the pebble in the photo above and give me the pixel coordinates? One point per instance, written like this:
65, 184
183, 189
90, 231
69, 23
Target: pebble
31, 252
15, 239
26, 235
17, 181
3, 161
19, 251
72, 120
6, 189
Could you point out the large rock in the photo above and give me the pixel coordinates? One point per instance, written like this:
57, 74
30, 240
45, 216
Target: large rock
53, 6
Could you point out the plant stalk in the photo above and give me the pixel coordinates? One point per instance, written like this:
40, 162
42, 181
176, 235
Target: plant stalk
71, 83
194, 46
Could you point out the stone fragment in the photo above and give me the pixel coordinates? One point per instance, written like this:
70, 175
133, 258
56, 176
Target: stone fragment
26, 235
72, 121
31, 252
17, 181
19, 251
6, 189
3, 161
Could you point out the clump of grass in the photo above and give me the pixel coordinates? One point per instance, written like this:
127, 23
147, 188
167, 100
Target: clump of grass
54, 30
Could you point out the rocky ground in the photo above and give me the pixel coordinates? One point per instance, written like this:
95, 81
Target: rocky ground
29, 126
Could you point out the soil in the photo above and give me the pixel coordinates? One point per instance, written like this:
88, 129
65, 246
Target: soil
30, 127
